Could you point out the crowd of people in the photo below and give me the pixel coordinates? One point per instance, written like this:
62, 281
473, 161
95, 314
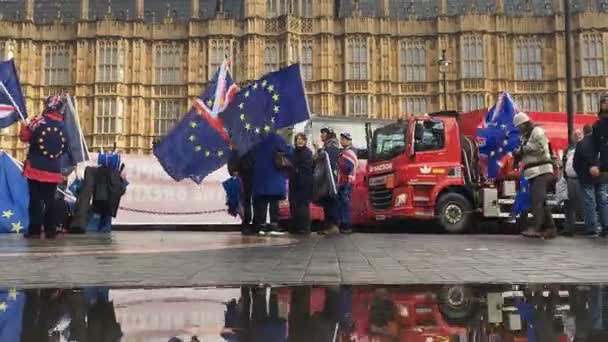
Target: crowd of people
584, 170
274, 169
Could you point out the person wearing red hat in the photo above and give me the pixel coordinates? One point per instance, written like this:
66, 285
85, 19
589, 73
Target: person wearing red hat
47, 141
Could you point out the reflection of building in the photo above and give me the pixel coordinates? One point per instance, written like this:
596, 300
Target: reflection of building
156, 315
133, 63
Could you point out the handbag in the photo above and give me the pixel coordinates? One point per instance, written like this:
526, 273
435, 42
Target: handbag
281, 162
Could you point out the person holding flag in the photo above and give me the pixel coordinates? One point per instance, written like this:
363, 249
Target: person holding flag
535, 155
48, 142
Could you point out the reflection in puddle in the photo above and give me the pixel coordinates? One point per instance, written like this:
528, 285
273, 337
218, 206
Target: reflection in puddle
476, 313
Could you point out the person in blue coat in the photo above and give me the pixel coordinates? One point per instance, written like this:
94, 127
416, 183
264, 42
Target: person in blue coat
269, 182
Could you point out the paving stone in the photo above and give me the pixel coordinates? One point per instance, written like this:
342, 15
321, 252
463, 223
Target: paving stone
198, 259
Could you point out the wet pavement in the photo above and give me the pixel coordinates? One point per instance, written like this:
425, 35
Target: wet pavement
423, 313
168, 259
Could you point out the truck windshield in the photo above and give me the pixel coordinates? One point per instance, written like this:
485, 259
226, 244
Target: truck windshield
388, 142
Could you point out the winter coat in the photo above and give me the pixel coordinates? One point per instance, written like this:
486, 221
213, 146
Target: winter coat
48, 142
109, 189
536, 154
600, 144
347, 166
584, 158
301, 179
267, 179
332, 148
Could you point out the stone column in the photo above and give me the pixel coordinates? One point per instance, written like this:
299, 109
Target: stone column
384, 8
195, 8
139, 9
84, 9
29, 10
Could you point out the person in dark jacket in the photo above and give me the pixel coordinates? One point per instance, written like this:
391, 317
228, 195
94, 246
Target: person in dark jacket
600, 142
269, 183
300, 186
47, 141
587, 167
331, 146
242, 167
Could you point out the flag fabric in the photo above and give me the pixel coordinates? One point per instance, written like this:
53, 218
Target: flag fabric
232, 187
14, 196
12, 105
275, 101
523, 198
77, 151
12, 304
497, 135
199, 144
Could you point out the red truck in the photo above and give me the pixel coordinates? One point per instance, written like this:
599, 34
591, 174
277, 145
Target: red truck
425, 167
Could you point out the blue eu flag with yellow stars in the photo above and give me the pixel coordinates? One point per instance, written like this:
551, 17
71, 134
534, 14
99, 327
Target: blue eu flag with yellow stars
14, 197
199, 144
523, 198
275, 101
12, 303
498, 136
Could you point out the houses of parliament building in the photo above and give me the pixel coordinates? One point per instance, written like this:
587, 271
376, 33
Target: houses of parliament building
136, 65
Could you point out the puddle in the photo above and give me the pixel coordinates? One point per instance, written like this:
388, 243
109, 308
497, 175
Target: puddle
433, 313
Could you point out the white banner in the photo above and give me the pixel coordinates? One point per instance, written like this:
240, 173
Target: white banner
151, 189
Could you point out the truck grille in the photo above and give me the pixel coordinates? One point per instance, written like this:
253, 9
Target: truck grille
381, 198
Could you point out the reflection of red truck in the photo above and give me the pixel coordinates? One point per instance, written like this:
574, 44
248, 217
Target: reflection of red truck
425, 168
421, 168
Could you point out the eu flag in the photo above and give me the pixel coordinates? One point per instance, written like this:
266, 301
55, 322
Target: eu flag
12, 303
198, 144
14, 197
523, 198
275, 101
498, 136
12, 105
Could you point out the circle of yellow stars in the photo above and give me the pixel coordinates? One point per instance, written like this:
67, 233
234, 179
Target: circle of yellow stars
16, 227
42, 147
11, 297
505, 142
268, 127
198, 146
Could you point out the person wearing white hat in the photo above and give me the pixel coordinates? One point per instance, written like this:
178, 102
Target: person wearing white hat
535, 155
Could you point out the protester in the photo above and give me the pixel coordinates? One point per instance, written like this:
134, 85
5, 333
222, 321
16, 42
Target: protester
574, 205
269, 183
538, 170
242, 167
347, 172
300, 186
593, 191
47, 141
600, 145
330, 203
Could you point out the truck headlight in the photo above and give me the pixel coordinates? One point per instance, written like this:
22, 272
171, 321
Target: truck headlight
400, 200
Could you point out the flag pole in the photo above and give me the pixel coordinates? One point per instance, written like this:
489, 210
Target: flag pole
12, 101
83, 143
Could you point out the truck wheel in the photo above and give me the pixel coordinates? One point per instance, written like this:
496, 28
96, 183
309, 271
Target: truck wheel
454, 212
456, 303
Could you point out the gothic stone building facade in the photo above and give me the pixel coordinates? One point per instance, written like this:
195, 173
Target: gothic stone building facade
135, 65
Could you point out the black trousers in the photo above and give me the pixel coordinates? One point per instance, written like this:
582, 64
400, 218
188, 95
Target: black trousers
42, 208
331, 211
540, 211
263, 204
247, 202
300, 216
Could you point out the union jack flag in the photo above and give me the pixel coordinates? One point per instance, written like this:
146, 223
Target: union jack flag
10, 95
215, 99
199, 144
